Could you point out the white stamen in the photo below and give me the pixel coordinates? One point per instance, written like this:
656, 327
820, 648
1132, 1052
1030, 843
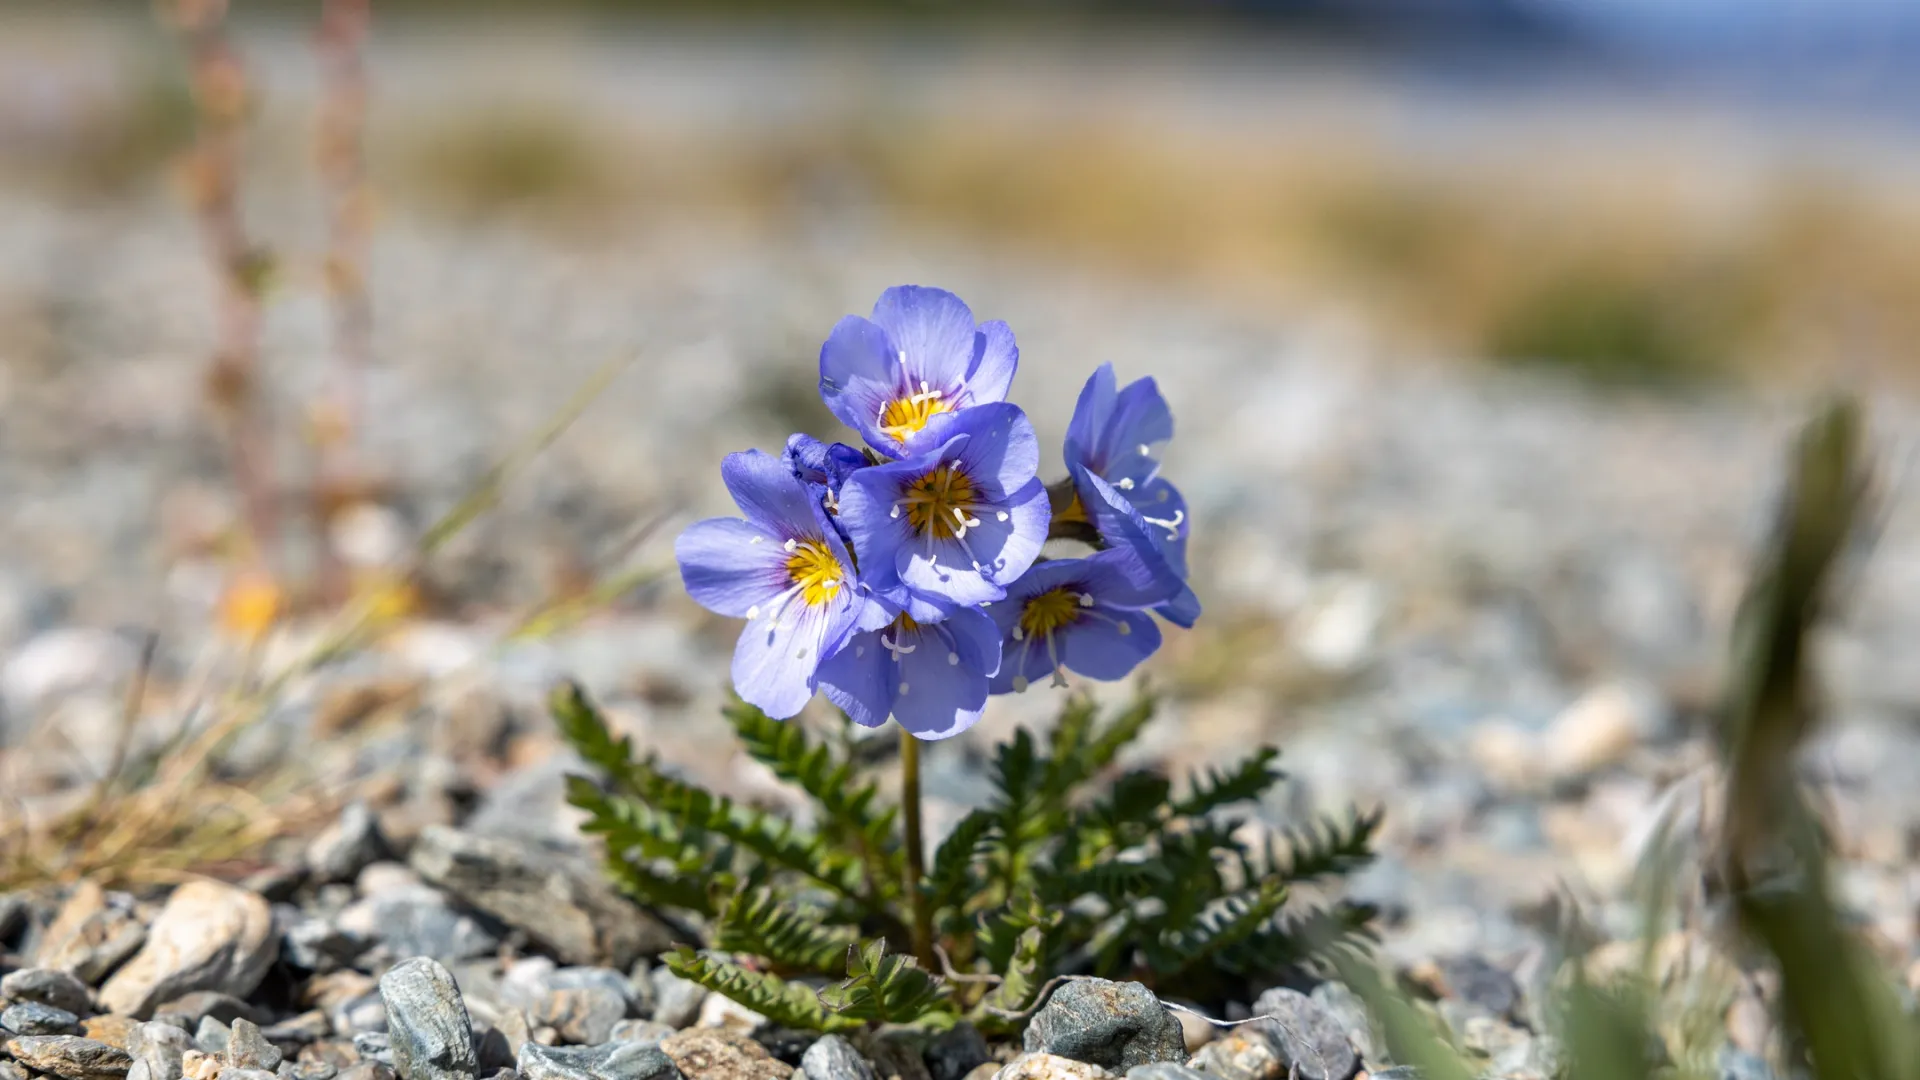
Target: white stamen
903, 358
1002, 515
1019, 634
1020, 684
1125, 628
753, 612
790, 544
1172, 525
756, 539
859, 651
903, 689
802, 654
896, 511
1086, 599
1145, 450
1125, 484
898, 650
960, 531
953, 659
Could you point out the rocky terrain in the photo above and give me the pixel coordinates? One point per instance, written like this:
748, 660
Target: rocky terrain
1496, 606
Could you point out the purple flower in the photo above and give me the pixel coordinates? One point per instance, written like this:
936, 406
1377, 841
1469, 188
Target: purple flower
784, 570
1082, 615
1153, 543
955, 521
920, 356
932, 677
825, 464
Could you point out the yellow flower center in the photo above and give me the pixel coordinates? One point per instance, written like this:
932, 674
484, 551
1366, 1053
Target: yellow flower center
812, 567
904, 416
1076, 511
1048, 612
938, 503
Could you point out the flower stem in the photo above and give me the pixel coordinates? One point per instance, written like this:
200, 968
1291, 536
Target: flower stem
916, 856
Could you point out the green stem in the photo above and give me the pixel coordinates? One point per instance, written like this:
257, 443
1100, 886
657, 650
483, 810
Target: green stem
916, 857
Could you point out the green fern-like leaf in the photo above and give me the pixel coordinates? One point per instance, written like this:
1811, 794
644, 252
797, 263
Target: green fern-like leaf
1248, 780
638, 839
1221, 926
1067, 763
952, 872
785, 1003
758, 922
1325, 848
1105, 747
852, 811
887, 988
1020, 983
1112, 879
1310, 940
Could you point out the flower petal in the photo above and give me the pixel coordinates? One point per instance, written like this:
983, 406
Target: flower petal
938, 693
770, 495
729, 565
859, 372
857, 679
1140, 420
1001, 452
969, 573
866, 513
1122, 528
1090, 413
1098, 649
933, 328
774, 662
997, 356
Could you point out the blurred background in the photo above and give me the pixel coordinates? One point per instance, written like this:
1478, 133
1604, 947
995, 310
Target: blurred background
1483, 321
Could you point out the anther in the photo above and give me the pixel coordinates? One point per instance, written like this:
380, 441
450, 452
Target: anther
753, 612
790, 544
1019, 634
903, 689
1125, 484
1125, 628
953, 659
1002, 515
1020, 684
1145, 450
1086, 599
1172, 525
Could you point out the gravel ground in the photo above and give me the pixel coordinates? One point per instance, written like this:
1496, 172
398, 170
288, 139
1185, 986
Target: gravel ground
1497, 606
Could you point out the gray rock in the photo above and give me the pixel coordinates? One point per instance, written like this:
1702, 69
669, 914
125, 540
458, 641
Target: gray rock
617, 1061
1050, 1067
366, 1014
1165, 1070
583, 1004
1474, 980
427, 1021
639, 1031
212, 1036
156, 1050
13, 915
1244, 1053
38, 1018
832, 1057
1736, 1064
210, 936
564, 905
492, 1051
10, 1071
348, 846
1346, 1008
1309, 1039
1113, 1025
640, 987
231, 1073
187, 1011
367, 1070
956, 1052
308, 1027
319, 945
417, 921
712, 1054
676, 1001
376, 1046
307, 1070
70, 1057
249, 1049
48, 987
95, 932
1537, 1058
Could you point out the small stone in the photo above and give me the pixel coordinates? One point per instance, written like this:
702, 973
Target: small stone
197, 1064
187, 1011
337, 1053
1485, 1035
1737, 1064
321, 946
48, 987
1049, 1067
832, 1057
1245, 1053
10, 1071
512, 1025
367, 1070
346, 847
417, 921
715, 1054
898, 1052
310, 1026
95, 932
583, 1015
1311, 1042
1535, 1058
308, 1070
249, 1049
1347, 1010
431, 1034
1599, 730
721, 1011
212, 1036
956, 1052
618, 1061
230, 1073
112, 1030
70, 1057
1474, 980
986, 1071
639, 1031
564, 906
374, 1046
157, 1051
1165, 1070
366, 1014
210, 936
36, 1018
1109, 1024
677, 1001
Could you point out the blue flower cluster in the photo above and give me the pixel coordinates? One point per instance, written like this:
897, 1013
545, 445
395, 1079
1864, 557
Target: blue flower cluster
905, 579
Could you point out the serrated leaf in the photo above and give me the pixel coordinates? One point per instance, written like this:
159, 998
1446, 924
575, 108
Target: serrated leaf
756, 921
788, 1004
887, 988
1246, 781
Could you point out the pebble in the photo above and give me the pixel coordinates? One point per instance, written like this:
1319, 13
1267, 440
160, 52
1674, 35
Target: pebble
249, 1049
677, 1001
616, 1061
374, 1046
1473, 979
319, 945
112, 1030
367, 1070
37, 1018
417, 921
48, 987
307, 1027
212, 1036
349, 845
956, 1052
210, 936
721, 1011
1311, 1042
431, 1035
1033, 1066
715, 1054
70, 1057
639, 1031
1346, 1008
157, 1050
1165, 1070
1111, 1024
898, 1052
188, 1010
94, 933
10, 1071
583, 1015
1598, 730
832, 1057
566, 906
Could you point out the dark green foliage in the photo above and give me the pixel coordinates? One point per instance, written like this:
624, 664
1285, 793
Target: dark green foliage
1070, 869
